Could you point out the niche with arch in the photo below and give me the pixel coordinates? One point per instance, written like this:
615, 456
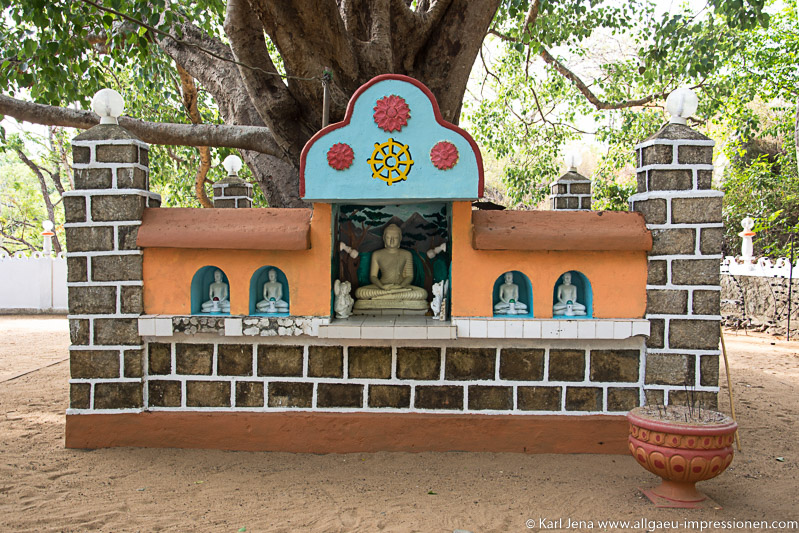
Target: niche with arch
258, 281
525, 297
584, 296
201, 292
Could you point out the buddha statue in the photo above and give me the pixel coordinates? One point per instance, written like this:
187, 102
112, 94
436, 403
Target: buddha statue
217, 296
391, 273
273, 296
567, 303
509, 303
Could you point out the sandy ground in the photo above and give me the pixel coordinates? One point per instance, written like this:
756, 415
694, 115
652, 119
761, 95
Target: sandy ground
45, 487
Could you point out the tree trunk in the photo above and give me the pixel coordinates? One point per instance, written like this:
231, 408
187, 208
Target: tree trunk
357, 39
270, 117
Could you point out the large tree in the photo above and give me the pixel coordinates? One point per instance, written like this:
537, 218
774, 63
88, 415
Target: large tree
261, 63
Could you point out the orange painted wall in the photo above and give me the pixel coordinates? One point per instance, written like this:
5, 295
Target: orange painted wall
618, 279
168, 273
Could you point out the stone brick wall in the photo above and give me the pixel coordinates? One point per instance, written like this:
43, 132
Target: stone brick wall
232, 192
104, 268
572, 192
204, 372
675, 168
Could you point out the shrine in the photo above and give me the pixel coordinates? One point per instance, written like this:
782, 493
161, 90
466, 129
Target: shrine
392, 314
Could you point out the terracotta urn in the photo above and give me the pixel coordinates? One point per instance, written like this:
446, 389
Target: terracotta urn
681, 445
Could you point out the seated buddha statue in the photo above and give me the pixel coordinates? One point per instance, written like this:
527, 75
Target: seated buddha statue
567, 303
509, 303
273, 296
218, 301
391, 273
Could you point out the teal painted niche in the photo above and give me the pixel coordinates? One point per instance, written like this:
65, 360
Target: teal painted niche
257, 282
584, 294
200, 286
525, 294
424, 226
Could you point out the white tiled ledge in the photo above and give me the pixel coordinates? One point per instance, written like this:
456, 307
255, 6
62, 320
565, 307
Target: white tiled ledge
387, 327
235, 326
586, 328
418, 328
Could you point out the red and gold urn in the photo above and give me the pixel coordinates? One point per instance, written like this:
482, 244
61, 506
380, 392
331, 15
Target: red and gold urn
680, 448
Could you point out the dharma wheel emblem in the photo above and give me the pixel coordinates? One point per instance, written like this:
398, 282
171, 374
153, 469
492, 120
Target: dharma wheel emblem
391, 161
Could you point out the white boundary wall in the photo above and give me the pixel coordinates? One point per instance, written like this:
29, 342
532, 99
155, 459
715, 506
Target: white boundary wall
763, 267
34, 284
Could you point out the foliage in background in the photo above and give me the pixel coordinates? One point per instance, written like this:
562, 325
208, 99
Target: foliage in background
22, 210
45, 51
765, 188
621, 62
758, 120
61, 52
513, 125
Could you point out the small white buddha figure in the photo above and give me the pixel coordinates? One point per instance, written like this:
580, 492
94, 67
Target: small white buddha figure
273, 296
567, 303
509, 303
218, 293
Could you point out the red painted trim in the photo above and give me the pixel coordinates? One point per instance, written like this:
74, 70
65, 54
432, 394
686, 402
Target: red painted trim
304, 432
348, 116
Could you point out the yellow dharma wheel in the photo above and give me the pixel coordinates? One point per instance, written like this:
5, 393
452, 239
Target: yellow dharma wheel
391, 161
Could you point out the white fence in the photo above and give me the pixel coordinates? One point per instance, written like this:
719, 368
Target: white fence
34, 284
763, 267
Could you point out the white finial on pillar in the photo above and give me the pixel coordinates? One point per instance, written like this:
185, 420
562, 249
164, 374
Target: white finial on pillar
681, 104
573, 160
47, 240
747, 247
232, 164
109, 105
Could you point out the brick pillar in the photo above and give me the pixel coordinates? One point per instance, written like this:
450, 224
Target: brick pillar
232, 192
104, 268
675, 167
571, 192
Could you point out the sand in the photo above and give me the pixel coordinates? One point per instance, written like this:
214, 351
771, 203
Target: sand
45, 487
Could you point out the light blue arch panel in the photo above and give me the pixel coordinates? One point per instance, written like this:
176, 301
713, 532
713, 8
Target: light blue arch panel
200, 285
423, 177
584, 294
259, 278
525, 293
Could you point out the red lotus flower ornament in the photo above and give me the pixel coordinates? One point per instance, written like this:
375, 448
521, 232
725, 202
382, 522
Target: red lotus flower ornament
392, 113
444, 155
340, 156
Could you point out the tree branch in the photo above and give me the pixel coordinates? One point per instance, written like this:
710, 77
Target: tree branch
175, 156
17, 239
57, 150
156, 31
257, 138
586, 91
48, 204
532, 16
276, 173
276, 106
189, 92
